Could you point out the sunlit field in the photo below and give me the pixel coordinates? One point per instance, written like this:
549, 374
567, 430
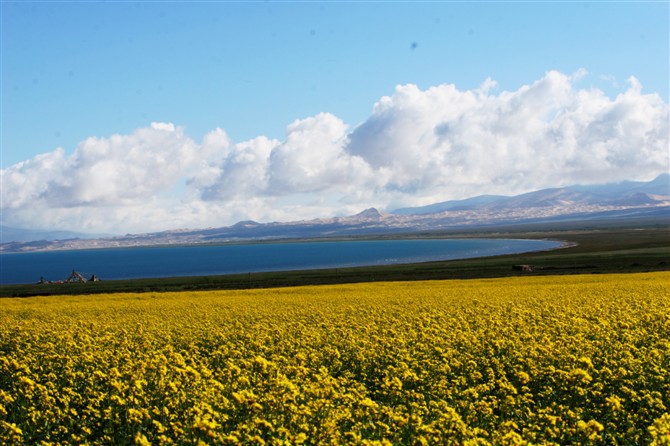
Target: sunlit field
549, 360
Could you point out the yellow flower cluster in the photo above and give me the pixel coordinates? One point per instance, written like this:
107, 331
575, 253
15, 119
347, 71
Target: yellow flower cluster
534, 360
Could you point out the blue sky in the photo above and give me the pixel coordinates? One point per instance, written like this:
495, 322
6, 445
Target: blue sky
76, 70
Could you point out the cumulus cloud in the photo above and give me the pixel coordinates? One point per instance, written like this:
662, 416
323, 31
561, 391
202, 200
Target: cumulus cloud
241, 173
119, 170
445, 142
416, 147
313, 158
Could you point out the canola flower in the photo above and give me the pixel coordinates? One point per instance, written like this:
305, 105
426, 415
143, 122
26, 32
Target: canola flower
535, 360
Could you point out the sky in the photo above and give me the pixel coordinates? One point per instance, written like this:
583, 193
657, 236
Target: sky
123, 116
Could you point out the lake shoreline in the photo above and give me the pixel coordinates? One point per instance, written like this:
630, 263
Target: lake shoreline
586, 250
207, 260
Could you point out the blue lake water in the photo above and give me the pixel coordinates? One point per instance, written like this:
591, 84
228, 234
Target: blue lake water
132, 263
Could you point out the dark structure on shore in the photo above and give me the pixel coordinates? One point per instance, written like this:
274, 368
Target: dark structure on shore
524, 268
74, 277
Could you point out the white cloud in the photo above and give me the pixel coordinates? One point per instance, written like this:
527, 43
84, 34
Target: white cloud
120, 170
313, 158
26, 183
241, 173
417, 147
444, 143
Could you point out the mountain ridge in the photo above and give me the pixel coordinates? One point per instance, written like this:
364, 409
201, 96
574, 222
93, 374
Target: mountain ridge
600, 193
624, 200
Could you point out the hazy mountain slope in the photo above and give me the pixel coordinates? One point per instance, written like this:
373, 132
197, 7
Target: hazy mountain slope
451, 205
627, 193
9, 234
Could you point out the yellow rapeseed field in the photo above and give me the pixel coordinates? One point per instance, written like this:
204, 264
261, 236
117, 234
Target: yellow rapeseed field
537, 360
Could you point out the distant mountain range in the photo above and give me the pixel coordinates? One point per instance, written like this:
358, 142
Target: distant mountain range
628, 200
10, 234
626, 194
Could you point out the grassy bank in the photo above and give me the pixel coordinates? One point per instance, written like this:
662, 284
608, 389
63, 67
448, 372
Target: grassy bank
592, 250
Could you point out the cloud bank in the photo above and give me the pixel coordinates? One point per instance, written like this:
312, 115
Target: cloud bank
416, 147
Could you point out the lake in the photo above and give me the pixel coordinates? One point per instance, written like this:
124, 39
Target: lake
148, 262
